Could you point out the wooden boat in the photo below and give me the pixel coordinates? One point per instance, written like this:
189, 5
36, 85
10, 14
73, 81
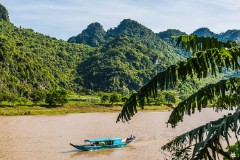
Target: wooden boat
104, 143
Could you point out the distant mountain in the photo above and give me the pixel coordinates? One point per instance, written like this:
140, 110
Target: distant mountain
132, 29
204, 32
170, 33
131, 55
151, 40
233, 35
135, 30
94, 35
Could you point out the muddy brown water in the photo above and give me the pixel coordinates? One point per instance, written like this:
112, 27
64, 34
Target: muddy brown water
48, 137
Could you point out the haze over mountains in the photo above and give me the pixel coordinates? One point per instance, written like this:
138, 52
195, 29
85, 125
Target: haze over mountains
126, 56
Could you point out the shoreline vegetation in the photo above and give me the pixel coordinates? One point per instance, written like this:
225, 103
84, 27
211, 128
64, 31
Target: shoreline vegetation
66, 109
83, 104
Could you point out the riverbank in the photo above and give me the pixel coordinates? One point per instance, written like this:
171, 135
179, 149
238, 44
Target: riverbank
38, 110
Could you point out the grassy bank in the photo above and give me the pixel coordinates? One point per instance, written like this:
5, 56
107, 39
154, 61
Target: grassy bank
75, 104
38, 110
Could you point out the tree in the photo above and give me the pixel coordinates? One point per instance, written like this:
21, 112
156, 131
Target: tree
170, 97
11, 98
234, 149
115, 97
209, 57
4, 13
125, 91
2, 97
105, 98
56, 98
37, 96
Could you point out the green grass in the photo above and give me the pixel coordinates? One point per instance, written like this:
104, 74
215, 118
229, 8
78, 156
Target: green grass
37, 110
76, 104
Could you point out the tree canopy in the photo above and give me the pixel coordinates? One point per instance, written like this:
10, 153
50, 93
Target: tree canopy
4, 13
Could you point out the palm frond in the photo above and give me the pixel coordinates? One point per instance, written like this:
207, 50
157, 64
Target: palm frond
227, 92
209, 61
129, 109
207, 138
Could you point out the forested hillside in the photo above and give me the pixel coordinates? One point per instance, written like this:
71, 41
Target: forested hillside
122, 58
32, 61
121, 63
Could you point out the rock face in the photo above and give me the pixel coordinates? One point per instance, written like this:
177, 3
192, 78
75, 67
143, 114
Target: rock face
4, 13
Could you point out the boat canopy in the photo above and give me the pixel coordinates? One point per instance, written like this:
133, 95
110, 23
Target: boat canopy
103, 139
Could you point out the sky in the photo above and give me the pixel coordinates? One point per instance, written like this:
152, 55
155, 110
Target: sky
65, 18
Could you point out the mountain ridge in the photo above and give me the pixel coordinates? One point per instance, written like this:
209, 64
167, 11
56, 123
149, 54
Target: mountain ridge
140, 33
231, 34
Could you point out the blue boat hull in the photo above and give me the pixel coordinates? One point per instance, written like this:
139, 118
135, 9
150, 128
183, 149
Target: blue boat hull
104, 143
90, 148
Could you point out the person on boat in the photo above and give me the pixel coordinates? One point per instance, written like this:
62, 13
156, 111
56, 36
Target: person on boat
130, 138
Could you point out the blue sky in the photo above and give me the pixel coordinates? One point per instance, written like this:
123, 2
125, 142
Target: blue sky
65, 18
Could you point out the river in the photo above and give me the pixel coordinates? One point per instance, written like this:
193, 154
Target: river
48, 137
